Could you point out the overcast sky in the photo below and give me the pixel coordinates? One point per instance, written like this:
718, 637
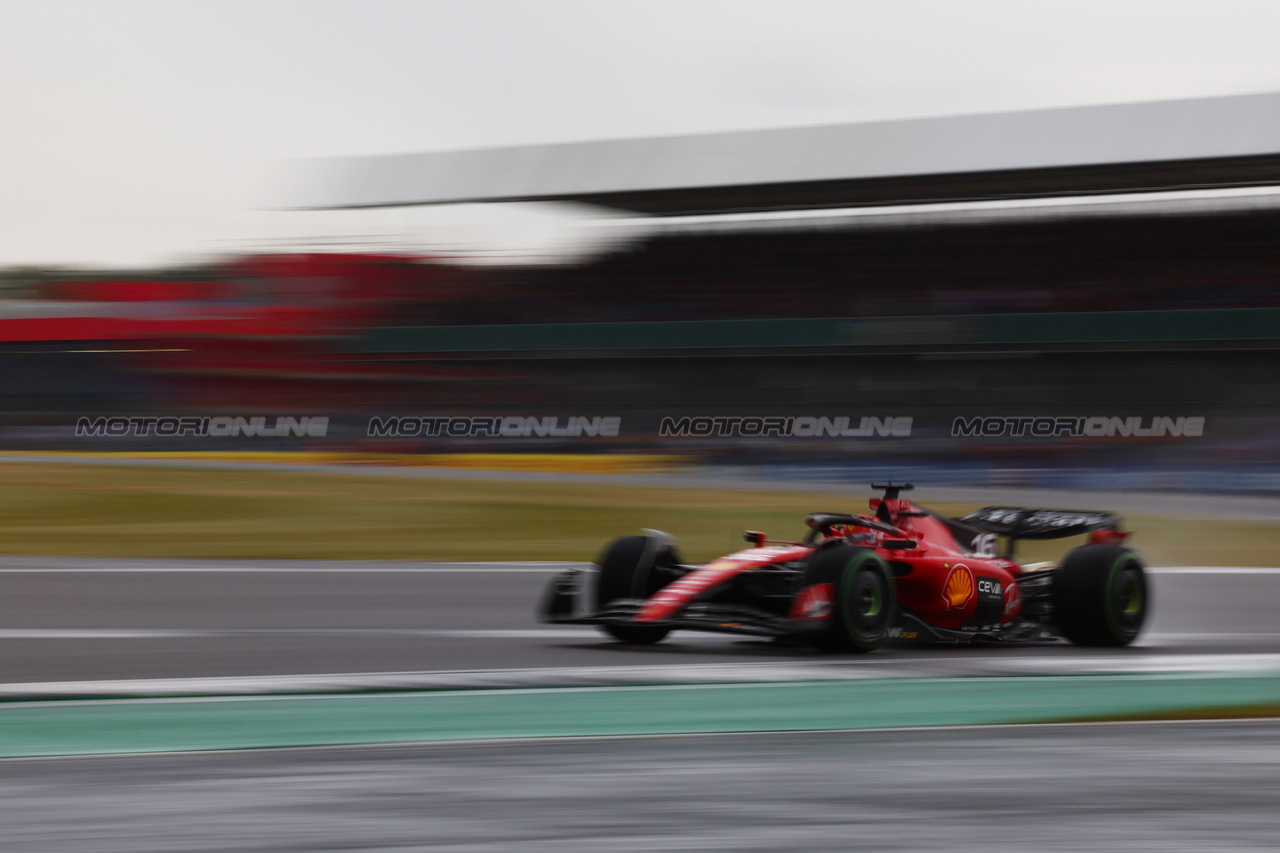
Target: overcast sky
138, 132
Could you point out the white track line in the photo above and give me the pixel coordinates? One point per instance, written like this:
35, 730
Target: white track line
666, 674
559, 633
179, 633
1213, 570
10, 565
425, 570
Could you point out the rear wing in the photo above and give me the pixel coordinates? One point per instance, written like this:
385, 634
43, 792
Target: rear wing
1032, 523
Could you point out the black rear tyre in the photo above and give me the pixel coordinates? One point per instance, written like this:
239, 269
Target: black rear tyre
1101, 596
627, 571
864, 606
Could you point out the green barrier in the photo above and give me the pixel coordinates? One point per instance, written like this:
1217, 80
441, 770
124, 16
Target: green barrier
1228, 324
166, 725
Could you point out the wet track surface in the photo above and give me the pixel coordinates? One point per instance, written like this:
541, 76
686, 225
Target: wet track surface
1102, 787
1201, 786
63, 620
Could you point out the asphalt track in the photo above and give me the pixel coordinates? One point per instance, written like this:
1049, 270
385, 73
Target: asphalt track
1104, 787
89, 620
1140, 787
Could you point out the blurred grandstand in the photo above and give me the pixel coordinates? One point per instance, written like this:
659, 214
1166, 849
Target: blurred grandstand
1111, 261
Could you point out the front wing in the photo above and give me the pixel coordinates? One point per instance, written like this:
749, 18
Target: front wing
563, 601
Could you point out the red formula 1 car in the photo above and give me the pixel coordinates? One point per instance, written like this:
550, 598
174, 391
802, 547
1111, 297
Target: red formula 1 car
903, 572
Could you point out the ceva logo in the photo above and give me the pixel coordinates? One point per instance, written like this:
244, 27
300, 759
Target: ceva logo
957, 592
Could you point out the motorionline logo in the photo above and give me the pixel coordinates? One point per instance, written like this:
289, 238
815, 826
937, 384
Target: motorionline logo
1093, 427
784, 427
511, 426
218, 426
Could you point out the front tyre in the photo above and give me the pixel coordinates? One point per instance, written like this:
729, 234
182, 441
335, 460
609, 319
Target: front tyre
627, 571
1101, 596
864, 605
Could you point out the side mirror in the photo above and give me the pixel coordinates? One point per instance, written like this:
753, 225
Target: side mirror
755, 537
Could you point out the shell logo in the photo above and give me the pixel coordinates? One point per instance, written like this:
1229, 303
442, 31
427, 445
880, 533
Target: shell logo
958, 589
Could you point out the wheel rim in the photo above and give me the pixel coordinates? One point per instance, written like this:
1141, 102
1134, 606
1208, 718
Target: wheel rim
869, 601
868, 604
1129, 600
1132, 598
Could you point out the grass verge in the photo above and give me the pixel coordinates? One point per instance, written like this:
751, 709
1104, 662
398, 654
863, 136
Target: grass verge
64, 510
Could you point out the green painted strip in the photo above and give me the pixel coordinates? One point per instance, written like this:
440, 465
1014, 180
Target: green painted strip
1224, 324
67, 728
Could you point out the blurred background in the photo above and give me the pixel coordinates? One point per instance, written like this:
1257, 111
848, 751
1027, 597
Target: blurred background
1092, 235
238, 240
1089, 286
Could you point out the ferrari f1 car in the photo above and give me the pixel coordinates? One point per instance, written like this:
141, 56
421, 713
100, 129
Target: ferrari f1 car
901, 572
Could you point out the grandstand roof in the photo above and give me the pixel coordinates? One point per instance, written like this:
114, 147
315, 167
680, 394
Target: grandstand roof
1196, 143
